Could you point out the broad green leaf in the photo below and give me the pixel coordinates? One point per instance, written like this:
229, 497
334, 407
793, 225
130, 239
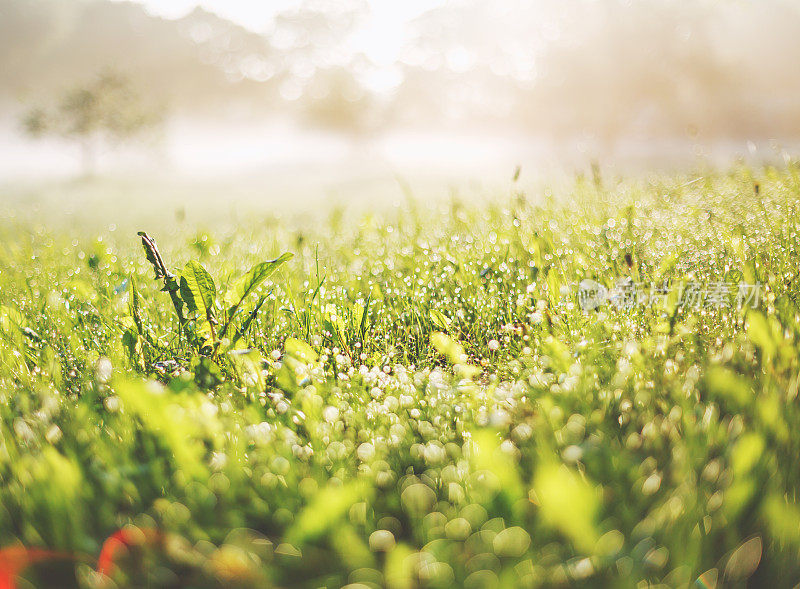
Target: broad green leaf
197, 288
746, 453
449, 348
300, 350
440, 320
567, 503
358, 315
325, 511
252, 280
667, 265
783, 518
248, 365
399, 569
726, 384
63, 503
558, 352
175, 420
454, 352
760, 333
10, 318
745, 456
298, 355
504, 481
351, 548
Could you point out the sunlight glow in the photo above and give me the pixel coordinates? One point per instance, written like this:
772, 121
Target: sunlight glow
380, 37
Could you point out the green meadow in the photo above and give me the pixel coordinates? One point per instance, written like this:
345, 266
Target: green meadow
409, 396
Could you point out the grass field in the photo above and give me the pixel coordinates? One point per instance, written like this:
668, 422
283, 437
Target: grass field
413, 397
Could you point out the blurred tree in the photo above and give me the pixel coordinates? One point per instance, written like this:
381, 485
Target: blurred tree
322, 77
336, 101
199, 64
106, 112
314, 33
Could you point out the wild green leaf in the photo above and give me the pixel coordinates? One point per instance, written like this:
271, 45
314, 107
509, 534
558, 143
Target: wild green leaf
725, 384
449, 348
252, 280
440, 320
568, 503
761, 333
325, 512
300, 350
198, 290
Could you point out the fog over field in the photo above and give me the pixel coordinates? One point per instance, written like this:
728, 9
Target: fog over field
448, 88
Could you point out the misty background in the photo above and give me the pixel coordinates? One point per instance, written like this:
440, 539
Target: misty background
387, 88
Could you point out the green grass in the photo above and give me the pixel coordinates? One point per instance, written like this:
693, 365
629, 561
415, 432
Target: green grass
416, 398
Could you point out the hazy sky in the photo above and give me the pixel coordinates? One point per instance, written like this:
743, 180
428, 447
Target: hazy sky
381, 37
